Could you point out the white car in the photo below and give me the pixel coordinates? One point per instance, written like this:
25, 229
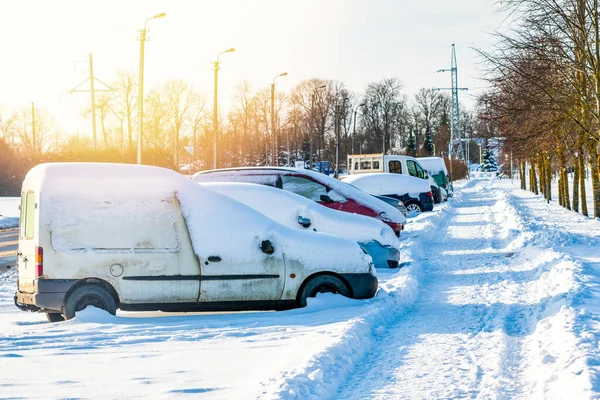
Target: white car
289, 209
146, 238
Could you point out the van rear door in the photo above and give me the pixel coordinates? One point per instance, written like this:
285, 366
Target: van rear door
27, 242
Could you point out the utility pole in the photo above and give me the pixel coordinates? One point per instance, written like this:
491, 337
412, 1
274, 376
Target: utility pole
92, 91
34, 140
313, 118
216, 105
455, 111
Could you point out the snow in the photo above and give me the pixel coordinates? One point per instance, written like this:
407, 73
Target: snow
285, 207
116, 206
344, 189
433, 165
499, 297
388, 184
9, 212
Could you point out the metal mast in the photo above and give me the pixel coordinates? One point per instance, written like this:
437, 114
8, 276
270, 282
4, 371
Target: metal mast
455, 145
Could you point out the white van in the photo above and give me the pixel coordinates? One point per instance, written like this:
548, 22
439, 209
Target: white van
392, 164
146, 238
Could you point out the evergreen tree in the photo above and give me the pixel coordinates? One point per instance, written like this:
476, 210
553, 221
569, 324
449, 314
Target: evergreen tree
428, 145
411, 147
488, 163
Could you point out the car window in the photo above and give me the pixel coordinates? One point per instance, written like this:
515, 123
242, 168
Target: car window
304, 187
239, 176
412, 168
395, 167
420, 173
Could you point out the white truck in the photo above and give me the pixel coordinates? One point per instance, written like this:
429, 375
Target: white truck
392, 164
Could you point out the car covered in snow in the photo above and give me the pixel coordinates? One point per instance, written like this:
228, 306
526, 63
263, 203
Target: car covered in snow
415, 193
323, 189
436, 167
147, 238
289, 209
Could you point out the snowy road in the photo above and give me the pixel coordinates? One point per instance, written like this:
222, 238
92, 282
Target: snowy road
473, 331
500, 298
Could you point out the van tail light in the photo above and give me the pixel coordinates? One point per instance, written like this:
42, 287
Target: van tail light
39, 261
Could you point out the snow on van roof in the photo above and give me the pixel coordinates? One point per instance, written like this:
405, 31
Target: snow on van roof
285, 207
385, 183
347, 190
433, 165
74, 196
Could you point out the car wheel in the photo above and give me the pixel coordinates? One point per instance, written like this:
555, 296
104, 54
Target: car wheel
89, 295
322, 284
54, 317
413, 206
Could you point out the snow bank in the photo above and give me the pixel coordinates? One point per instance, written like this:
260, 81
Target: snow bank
389, 184
285, 207
327, 370
84, 198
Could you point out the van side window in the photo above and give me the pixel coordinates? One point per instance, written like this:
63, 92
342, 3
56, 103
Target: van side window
29, 215
375, 164
365, 165
412, 168
395, 167
356, 166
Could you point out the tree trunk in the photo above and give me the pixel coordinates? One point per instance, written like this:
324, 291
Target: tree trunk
593, 153
541, 161
576, 185
523, 175
534, 180
582, 191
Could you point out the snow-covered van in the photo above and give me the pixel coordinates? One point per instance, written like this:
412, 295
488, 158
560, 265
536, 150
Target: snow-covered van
147, 238
392, 164
436, 166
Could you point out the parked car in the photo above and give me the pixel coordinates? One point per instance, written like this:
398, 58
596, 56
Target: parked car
147, 238
323, 189
414, 192
398, 204
436, 167
289, 209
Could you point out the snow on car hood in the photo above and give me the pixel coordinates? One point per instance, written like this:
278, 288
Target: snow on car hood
216, 223
285, 207
382, 183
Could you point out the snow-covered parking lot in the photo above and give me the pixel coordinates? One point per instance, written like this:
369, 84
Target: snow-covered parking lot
498, 297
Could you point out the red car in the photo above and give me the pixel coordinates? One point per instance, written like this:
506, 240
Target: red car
321, 188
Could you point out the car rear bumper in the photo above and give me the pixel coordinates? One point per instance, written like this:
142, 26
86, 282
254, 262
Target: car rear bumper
48, 295
364, 286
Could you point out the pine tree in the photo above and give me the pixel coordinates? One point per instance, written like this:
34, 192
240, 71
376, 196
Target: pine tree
428, 145
488, 163
411, 147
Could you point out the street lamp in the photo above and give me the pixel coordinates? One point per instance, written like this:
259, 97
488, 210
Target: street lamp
354, 125
337, 135
275, 155
216, 105
141, 86
312, 111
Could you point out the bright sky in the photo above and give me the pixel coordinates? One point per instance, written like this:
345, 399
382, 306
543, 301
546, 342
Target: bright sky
354, 41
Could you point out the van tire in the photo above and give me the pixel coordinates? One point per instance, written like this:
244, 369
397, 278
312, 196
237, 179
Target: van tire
54, 317
414, 206
322, 284
88, 295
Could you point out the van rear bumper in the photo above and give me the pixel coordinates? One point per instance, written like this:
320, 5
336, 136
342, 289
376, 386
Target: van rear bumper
48, 295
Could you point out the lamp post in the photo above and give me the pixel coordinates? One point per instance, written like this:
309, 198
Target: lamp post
337, 135
216, 105
275, 155
354, 126
141, 86
312, 111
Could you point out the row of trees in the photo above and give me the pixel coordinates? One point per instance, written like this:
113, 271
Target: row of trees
545, 96
308, 120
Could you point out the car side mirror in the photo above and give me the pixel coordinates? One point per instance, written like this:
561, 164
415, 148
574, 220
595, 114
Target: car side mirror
267, 247
326, 199
305, 222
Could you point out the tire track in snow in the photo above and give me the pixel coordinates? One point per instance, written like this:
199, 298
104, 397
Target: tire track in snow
464, 334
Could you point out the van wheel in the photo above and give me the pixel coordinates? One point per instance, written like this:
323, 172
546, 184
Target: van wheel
89, 295
54, 317
413, 206
322, 284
